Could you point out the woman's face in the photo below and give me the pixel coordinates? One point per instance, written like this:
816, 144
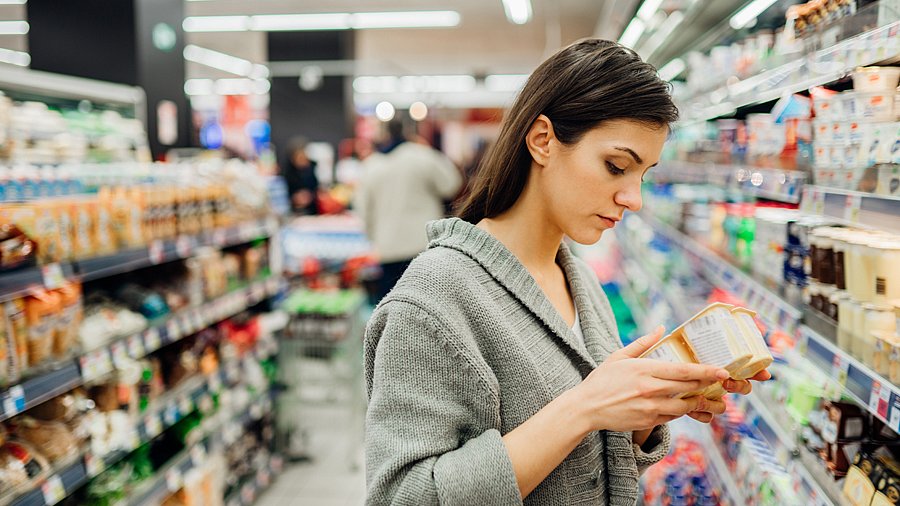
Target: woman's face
588, 186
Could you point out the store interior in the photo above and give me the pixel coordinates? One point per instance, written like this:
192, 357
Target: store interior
176, 329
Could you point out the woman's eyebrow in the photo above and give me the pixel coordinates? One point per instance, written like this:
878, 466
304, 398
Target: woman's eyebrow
630, 152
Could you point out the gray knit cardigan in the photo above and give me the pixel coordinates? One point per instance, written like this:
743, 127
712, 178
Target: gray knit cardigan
465, 349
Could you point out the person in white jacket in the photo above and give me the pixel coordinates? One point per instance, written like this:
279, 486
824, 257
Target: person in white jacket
400, 191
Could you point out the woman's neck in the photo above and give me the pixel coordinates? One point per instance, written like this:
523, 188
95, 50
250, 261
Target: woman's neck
527, 232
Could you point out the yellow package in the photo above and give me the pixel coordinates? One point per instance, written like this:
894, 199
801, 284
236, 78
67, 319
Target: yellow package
83, 234
39, 222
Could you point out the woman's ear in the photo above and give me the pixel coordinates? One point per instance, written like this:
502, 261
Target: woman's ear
538, 139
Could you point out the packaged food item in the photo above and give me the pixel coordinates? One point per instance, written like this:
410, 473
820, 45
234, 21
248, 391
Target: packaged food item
70, 317
6, 349
20, 466
858, 487
104, 234
16, 248
84, 229
17, 331
876, 78
720, 335
53, 440
845, 424
42, 310
40, 224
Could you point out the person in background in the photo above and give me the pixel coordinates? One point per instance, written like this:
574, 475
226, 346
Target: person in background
400, 191
300, 175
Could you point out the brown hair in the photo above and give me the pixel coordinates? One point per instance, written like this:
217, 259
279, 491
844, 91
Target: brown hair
579, 87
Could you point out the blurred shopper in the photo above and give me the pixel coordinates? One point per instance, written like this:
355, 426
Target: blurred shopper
300, 175
400, 191
494, 370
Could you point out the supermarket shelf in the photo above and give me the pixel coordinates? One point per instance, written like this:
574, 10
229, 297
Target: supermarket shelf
17, 283
774, 310
858, 209
257, 483
722, 473
97, 363
664, 290
772, 184
810, 475
859, 383
820, 68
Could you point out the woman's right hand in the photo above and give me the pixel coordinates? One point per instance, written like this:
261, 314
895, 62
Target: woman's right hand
626, 393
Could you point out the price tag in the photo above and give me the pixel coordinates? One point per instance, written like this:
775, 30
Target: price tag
14, 401
152, 340
153, 425
136, 344
219, 237
215, 382
206, 404
157, 252
53, 490
895, 414
198, 455
173, 330
94, 465
53, 276
248, 493
818, 202
119, 354
134, 439
171, 414
173, 479
186, 324
95, 364
880, 400
247, 232
197, 319
851, 208
184, 245
186, 405
840, 366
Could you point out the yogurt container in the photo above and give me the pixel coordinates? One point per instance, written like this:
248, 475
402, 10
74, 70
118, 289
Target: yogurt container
875, 105
876, 78
848, 105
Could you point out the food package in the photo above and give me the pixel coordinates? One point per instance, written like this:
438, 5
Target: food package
721, 335
16, 248
54, 440
20, 466
70, 317
42, 311
13, 314
40, 223
84, 229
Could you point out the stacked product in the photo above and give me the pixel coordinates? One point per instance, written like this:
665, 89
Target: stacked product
856, 130
681, 478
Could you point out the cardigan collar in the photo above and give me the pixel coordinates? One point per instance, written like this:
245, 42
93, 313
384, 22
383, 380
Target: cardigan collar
504, 267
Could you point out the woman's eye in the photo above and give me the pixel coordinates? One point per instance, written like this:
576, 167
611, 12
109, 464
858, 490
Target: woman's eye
614, 170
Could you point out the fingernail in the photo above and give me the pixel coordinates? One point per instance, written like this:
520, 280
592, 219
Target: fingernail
722, 374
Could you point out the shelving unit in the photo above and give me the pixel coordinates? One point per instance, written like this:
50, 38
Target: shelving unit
721, 473
767, 183
817, 69
857, 209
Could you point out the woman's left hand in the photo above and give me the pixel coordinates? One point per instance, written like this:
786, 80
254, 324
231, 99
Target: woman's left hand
733, 386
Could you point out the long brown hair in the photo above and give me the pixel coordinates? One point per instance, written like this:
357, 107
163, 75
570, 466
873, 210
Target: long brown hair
579, 87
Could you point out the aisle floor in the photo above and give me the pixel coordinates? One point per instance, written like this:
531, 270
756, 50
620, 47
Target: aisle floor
334, 476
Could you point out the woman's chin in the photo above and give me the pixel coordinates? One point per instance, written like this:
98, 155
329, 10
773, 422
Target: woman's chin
586, 237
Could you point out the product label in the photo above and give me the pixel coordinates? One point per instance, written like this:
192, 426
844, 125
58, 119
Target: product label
664, 352
708, 338
880, 286
53, 490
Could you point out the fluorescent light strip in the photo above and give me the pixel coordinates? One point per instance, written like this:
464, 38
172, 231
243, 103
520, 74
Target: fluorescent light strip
632, 32
662, 34
749, 12
672, 69
14, 27
239, 86
505, 82
217, 60
414, 84
15, 57
13, 2
517, 11
216, 24
648, 9
324, 21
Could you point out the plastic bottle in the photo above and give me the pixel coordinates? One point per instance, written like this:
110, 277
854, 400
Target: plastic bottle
745, 235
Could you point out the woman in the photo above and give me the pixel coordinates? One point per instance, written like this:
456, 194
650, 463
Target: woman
494, 370
300, 175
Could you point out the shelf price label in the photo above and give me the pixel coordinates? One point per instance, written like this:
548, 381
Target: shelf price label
173, 330
840, 367
198, 455
119, 354
53, 276
851, 208
219, 238
14, 401
173, 479
157, 252
171, 414
93, 464
215, 382
153, 425
152, 340
184, 245
95, 364
186, 405
880, 400
135, 345
894, 420
53, 490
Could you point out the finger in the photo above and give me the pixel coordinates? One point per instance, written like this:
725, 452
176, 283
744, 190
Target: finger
763, 375
734, 386
663, 419
664, 388
701, 416
713, 407
686, 372
681, 407
640, 345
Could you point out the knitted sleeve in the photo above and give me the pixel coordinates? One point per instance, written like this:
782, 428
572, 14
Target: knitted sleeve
653, 450
429, 435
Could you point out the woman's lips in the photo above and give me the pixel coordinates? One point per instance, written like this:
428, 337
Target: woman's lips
609, 222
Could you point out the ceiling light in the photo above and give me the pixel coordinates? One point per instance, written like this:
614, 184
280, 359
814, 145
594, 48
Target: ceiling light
297, 22
216, 23
672, 69
505, 82
376, 84
632, 32
384, 111
12, 2
14, 27
414, 84
648, 9
517, 11
749, 13
199, 87
404, 19
15, 57
662, 35
418, 111
323, 21
217, 60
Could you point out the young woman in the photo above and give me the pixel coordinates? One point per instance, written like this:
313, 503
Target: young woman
495, 374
